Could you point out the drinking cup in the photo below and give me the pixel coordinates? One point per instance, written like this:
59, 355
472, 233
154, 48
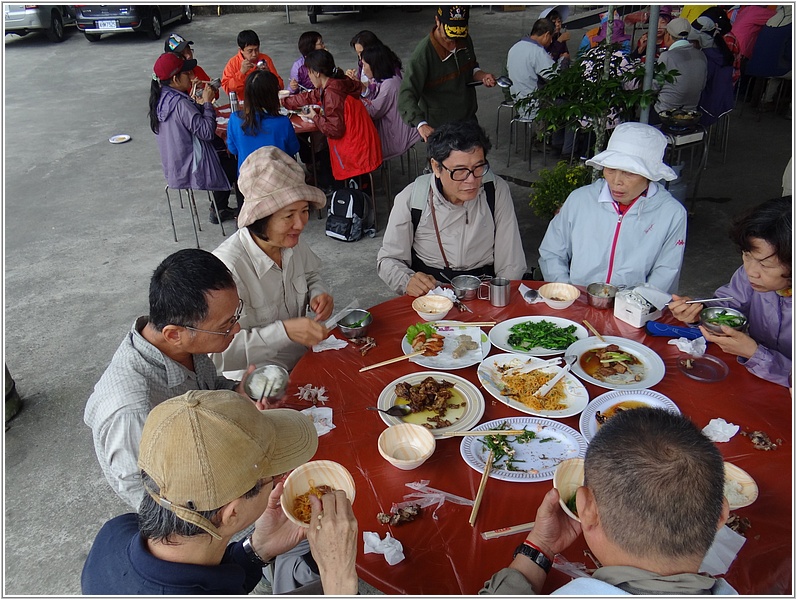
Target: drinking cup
497, 291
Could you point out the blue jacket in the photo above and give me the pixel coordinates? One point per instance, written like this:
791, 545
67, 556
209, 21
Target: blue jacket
119, 563
184, 138
274, 131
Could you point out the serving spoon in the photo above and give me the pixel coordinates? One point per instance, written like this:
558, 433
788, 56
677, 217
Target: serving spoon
503, 81
397, 410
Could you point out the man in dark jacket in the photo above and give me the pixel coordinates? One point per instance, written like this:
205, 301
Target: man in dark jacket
434, 90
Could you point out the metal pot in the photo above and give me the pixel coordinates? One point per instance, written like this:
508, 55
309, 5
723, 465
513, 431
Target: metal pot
466, 286
601, 295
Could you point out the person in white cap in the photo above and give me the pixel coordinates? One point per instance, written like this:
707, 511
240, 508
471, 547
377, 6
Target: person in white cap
277, 274
691, 64
213, 465
622, 229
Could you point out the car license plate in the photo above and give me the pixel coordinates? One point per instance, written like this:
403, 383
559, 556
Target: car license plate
112, 24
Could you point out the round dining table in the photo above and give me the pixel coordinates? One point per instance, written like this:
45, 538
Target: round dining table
444, 554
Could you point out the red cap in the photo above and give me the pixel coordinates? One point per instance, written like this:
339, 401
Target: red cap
170, 64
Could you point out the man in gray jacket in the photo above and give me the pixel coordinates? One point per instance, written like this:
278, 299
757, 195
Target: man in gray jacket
691, 64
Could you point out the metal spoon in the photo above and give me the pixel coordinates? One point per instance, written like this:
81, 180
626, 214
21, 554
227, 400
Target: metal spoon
503, 81
397, 410
531, 295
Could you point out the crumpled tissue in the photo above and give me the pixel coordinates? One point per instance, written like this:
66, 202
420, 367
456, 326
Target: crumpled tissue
719, 430
390, 547
331, 343
440, 291
723, 551
322, 418
313, 394
696, 347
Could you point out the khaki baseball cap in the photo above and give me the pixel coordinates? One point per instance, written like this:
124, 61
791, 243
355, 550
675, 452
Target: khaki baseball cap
206, 448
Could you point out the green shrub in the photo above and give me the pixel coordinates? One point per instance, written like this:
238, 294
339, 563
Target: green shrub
553, 186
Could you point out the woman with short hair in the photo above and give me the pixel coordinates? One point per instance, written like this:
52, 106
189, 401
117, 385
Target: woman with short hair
300, 80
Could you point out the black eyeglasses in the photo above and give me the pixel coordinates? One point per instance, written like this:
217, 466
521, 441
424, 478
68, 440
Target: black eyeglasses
235, 318
462, 173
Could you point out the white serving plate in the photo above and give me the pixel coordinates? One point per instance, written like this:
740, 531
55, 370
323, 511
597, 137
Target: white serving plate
445, 360
654, 366
540, 457
500, 334
576, 396
589, 426
462, 419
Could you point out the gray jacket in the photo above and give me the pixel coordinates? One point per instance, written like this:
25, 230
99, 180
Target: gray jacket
686, 89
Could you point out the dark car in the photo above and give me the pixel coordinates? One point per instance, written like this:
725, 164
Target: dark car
333, 9
96, 19
22, 19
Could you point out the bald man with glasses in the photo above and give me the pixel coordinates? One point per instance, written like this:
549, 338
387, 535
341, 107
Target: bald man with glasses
194, 310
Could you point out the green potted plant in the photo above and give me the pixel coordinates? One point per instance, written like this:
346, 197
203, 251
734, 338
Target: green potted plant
553, 186
598, 90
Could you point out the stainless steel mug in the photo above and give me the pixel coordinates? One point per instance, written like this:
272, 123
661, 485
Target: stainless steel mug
497, 291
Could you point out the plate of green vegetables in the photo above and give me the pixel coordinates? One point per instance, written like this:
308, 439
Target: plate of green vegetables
537, 336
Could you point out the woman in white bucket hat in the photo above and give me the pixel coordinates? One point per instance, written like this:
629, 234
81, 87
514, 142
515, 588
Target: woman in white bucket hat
624, 229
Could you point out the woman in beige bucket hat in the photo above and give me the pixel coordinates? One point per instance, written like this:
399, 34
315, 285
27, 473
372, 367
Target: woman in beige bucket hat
624, 229
277, 274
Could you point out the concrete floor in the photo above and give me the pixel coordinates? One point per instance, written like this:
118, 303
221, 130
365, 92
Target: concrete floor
86, 223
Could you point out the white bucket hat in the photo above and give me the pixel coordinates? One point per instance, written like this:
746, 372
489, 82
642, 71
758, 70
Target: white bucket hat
636, 148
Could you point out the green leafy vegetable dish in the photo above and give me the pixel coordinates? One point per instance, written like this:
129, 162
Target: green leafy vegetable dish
501, 447
724, 318
414, 330
541, 334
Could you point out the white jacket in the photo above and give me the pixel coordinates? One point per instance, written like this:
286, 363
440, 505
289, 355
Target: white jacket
271, 295
648, 241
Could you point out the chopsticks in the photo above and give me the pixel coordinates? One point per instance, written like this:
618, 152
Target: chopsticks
463, 324
391, 361
496, 533
484, 432
482, 484
593, 330
704, 300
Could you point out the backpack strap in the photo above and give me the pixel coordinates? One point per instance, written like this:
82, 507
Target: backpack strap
420, 196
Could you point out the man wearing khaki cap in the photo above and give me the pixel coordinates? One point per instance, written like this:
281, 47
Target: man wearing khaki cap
434, 90
212, 465
691, 64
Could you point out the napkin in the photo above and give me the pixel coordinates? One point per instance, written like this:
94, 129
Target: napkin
653, 295
719, 430
221, 120
312, 394
331, 343
390, 547
695, 347
322, 418
719, 557
440, 291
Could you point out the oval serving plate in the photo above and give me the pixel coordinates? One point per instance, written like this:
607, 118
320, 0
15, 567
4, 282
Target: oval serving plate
749, 488
462, 418
445, 361
576, 396
119, 139
652, 362
589, 426
499, 334
554, 442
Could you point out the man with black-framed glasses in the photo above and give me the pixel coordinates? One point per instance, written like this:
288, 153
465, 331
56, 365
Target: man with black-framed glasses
459, 220
193, 311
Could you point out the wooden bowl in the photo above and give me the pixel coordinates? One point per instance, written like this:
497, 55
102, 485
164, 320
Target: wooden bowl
316, 473
432, 308
406, 446
568, 477
744, 484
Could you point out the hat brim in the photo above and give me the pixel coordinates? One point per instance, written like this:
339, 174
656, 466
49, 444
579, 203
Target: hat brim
257, 209
188, 65
632, 164
298, 440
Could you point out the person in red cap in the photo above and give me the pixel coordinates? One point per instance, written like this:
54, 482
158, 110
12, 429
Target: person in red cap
435, 87
179, 123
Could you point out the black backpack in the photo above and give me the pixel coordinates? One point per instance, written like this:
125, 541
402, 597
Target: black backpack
350, 215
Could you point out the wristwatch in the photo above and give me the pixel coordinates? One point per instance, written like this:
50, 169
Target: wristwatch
250, 551
535, 555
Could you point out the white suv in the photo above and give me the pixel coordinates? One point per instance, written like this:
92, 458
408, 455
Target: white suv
22, 19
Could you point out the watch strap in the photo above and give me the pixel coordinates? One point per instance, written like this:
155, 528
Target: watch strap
250, 551
535, 555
